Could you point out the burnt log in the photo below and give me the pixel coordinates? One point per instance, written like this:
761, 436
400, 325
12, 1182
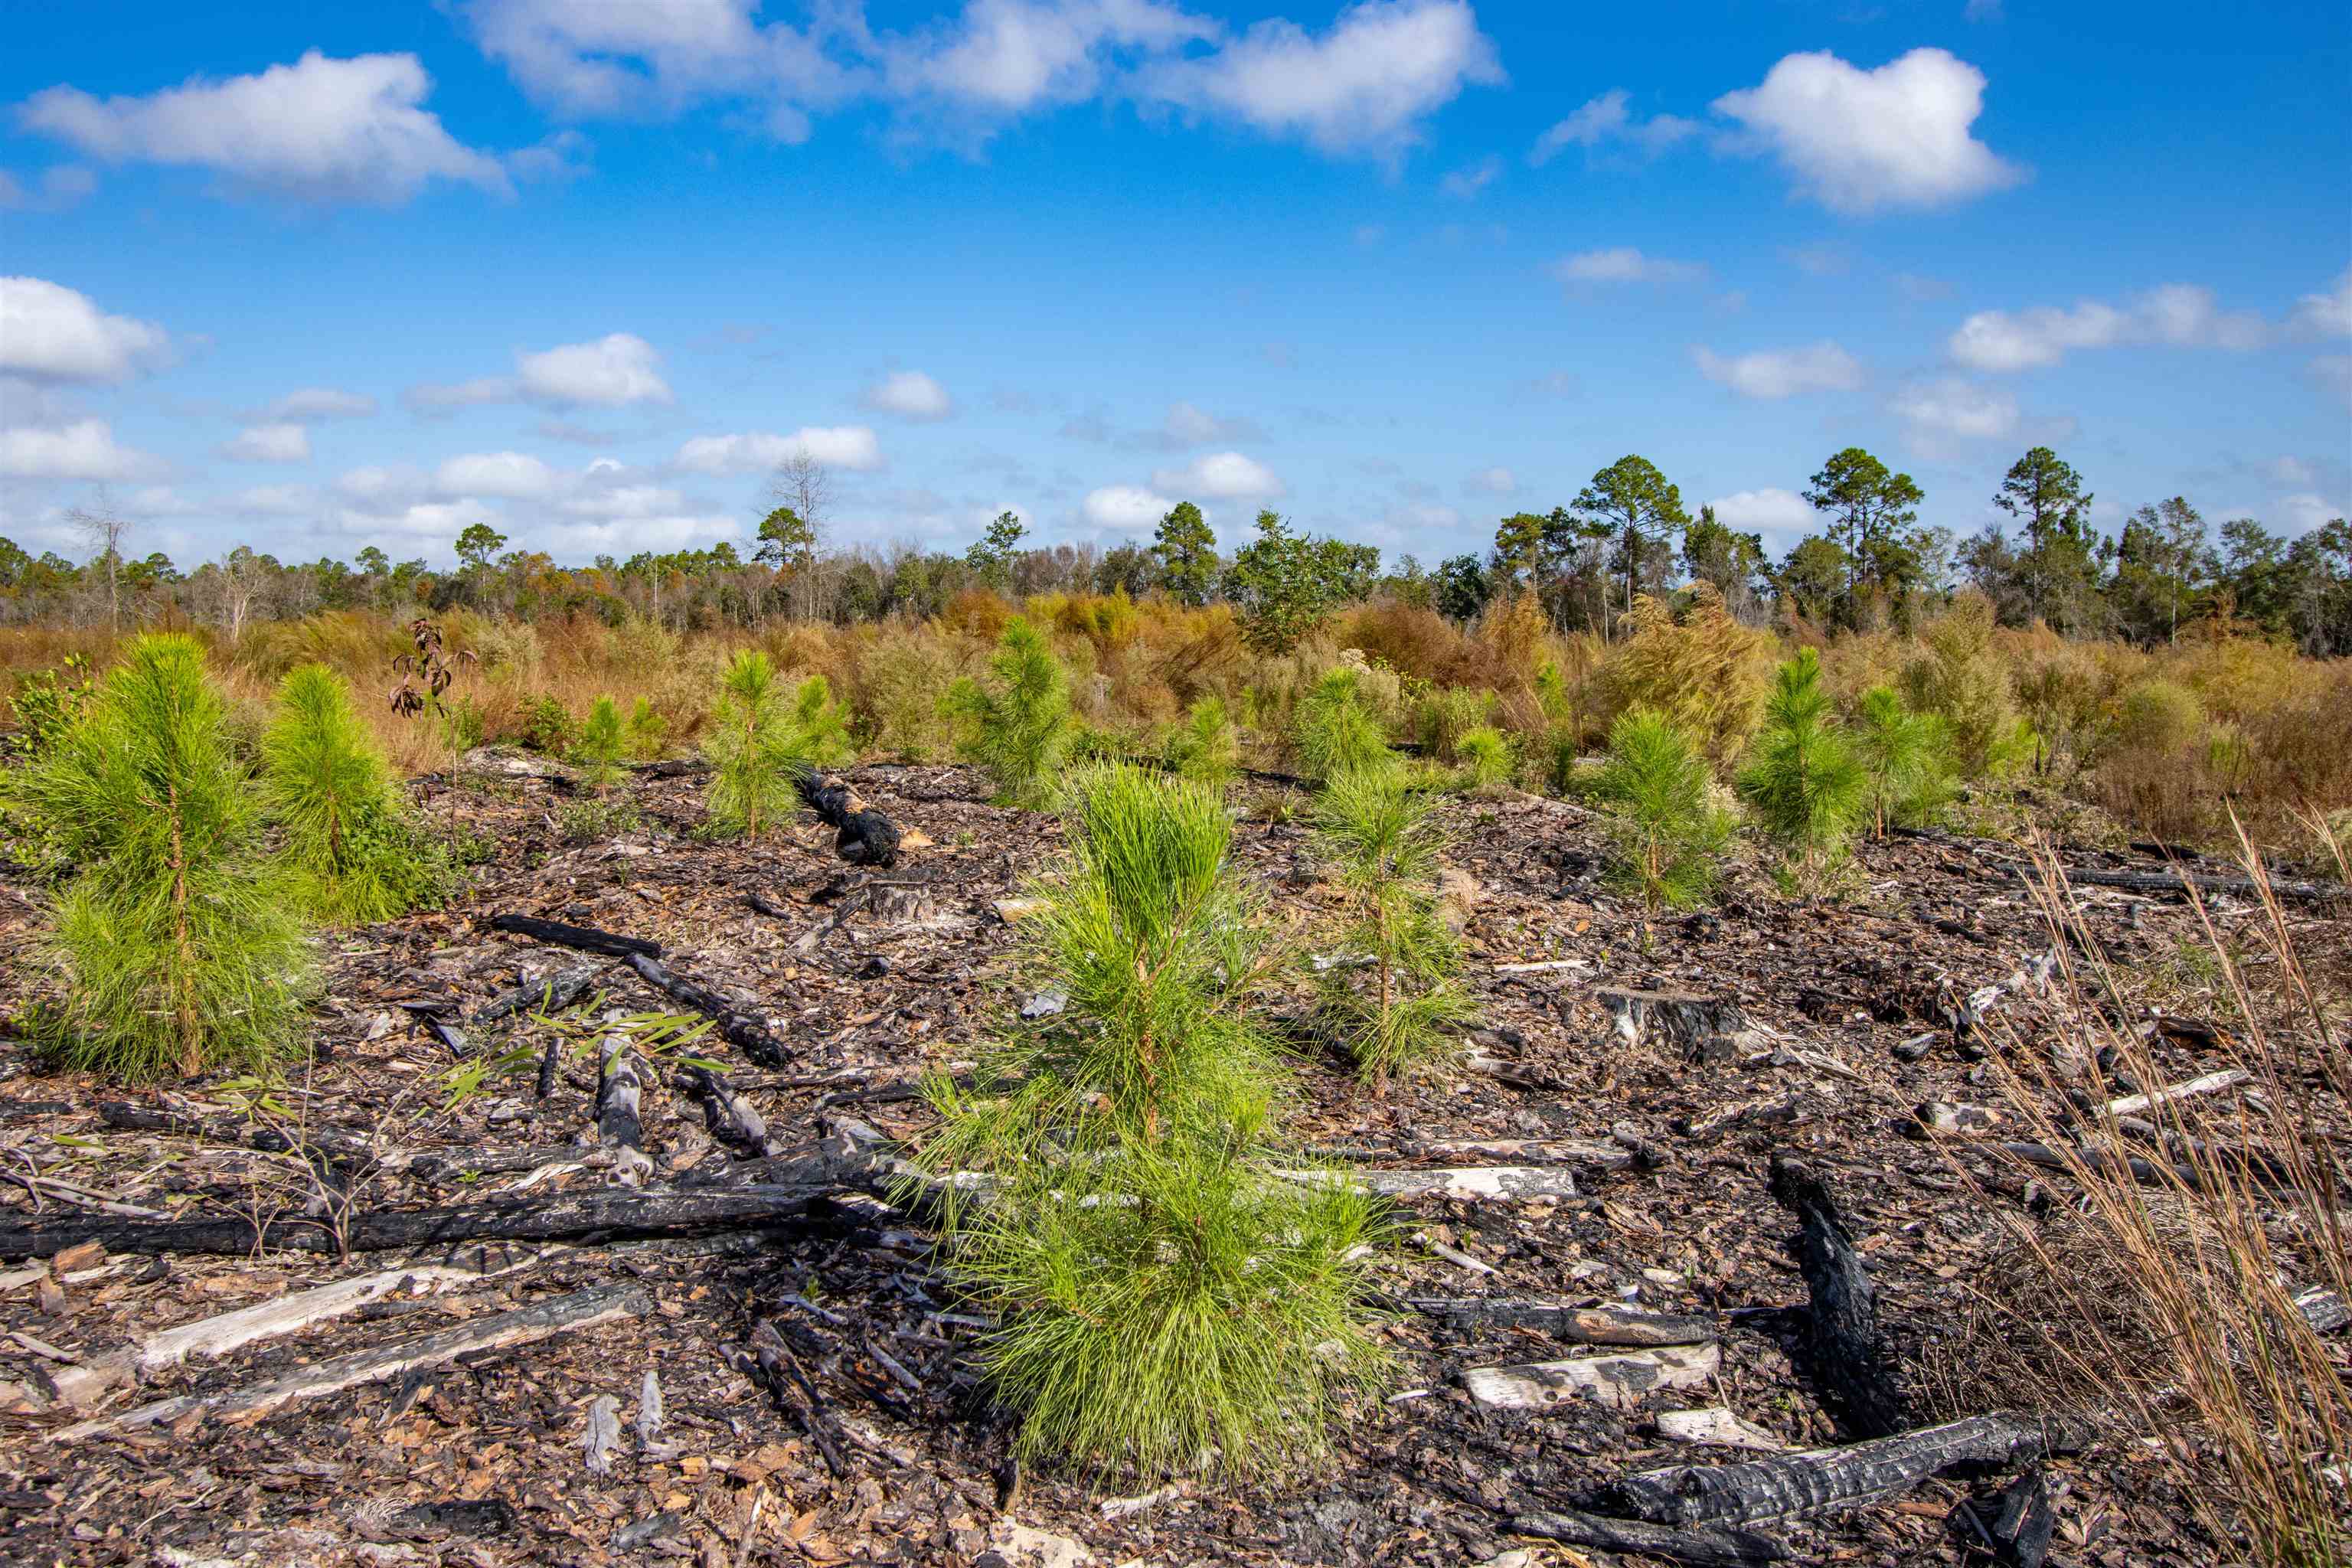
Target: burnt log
730, 1117
584, 938
738, 1028
1600, 1325
553, 995
2178, 881
620, 1125
2011, 1527
1704, 1547
610, 1214
1704, 1027
1842, 1343
1822, 1481
862, 835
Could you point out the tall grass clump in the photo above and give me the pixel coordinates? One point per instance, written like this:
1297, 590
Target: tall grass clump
1902, 755
1165, 1300
1204, 746
1485, 754
180, 946
1802, 780
1017, 725
754, 747
1390, 996
602, 745
1336, 728
353, 853
1668, 837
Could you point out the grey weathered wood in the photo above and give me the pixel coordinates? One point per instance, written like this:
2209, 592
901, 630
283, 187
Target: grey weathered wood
1713, 1548
1595, 1325
1682, 1018
1622, 1380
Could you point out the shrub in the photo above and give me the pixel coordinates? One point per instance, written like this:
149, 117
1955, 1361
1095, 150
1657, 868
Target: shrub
648, 731
1019, 726
1164, 1299
2159, 715
1204, 746
1336, 729
1446, 714
820, 732
1395, 1007
1666, 834
601, 744
1803, 781
48, 701
544, 725
1961, 681
1704, 671
1902, 755
1486, 757
354, 854
181, 948
753, 748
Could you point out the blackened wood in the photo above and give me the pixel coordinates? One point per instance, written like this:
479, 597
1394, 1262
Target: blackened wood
1706, 1548
770, 1362
550, 1059
553, 995
1846, 1350
587, 939
739, 1029
609, 1214
1794, 1486
2011, 1527
1583, 1325
730, 1117
862, 835
2178, 881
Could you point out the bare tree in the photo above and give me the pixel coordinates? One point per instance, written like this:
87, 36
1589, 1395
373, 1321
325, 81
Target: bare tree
103, 528
806, 485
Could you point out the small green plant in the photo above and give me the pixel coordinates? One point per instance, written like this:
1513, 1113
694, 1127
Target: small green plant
1445, 715
601, 745
1667, 835
1165, 1297
353, 853
648, 731
590, 819
546, 727
1018, 727
180, 946
582, 1033
754, 747
48, 701
1389, 994
1336, 729
1902, 753
1204, 747
1486, 757
821, 727
1803, 781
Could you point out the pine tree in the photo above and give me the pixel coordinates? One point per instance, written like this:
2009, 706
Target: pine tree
821, 730
353, 853
1902, 753
1668, 835
1803, 781
1486, 754
1019, 728
1336, 730
754, 749
601, 745
180, 945
1204, 747
1396, 1008
1163, 1298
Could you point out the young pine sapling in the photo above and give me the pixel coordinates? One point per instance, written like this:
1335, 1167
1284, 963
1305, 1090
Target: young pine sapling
1903, 753
1667, 836
353, 854
1803, 781
1018, 726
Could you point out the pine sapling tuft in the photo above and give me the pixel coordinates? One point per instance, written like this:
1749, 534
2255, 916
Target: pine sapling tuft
754, 749
1018, 725
1903, 753
601, 745
1667, 835
355, 854
1206, 747
1803, 781
1336, 729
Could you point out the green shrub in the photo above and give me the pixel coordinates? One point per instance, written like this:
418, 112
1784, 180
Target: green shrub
1962, 681
545, 726
2159, 715
1446, 714
48, 701
1486, 757
1017, 727
1164, 1299
178, 942
355, 854
1338, 730
1206, 747
1667, 836
1803, 781
648, 731
820, 730
601, 745
1389, 995
1903, 755
753, 747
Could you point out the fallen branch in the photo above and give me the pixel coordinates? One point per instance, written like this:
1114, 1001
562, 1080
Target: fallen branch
2174, 880
585, 939
862, 835
1600, 1325
739, 1029
1704, 1547
541, 1320
1622, 1380
2132, 1104
730, 1117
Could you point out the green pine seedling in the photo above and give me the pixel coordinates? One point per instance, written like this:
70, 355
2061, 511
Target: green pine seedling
601, 745
353, 853
1164, 1298
1486, 755
1904, 753
754, 749
1336, 731
822, 730
1206, 747
180, 945
1390, 997
1804, 781
1666, 834
1018, 727
648, 731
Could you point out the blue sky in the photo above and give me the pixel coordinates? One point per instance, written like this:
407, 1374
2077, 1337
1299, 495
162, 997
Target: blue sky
312, 278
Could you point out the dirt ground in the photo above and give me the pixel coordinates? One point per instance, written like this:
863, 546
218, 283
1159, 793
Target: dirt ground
481, 1461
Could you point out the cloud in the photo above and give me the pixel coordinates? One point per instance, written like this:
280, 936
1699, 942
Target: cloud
1490, 481
613, 372
510, 475
1766, 510
1939, 413
1605, 120
1817, 367
1363, 87
1188, 425
315, 403
835, 446
1921, 288
1857, 140
1463, 183
268, 443
2307, 510
1222, 475
83, 450
275, 500
49, 332
320, 129
2325, 315
2334, 372
1623, 264
1001, 57
911, 394
1982, 11
1124, 508
1558, 386
2181, 315
62, 185
1818, 260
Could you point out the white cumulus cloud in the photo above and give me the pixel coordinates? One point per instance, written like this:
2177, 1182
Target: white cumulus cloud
321, 129
2327, 315
1937, 414
1607, 118
268, 443
612, 372
1857, 140
49, 332
1768, 510
1624, 264
1220, 476
910, 394
1124, 508
1770, 375
315, 403
510, 475
83, 450
2180, 315
835, 446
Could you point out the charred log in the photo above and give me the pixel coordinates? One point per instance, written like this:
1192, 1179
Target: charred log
1841, 1341
585, 939
739, 1029
862, 835
1703, 1548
